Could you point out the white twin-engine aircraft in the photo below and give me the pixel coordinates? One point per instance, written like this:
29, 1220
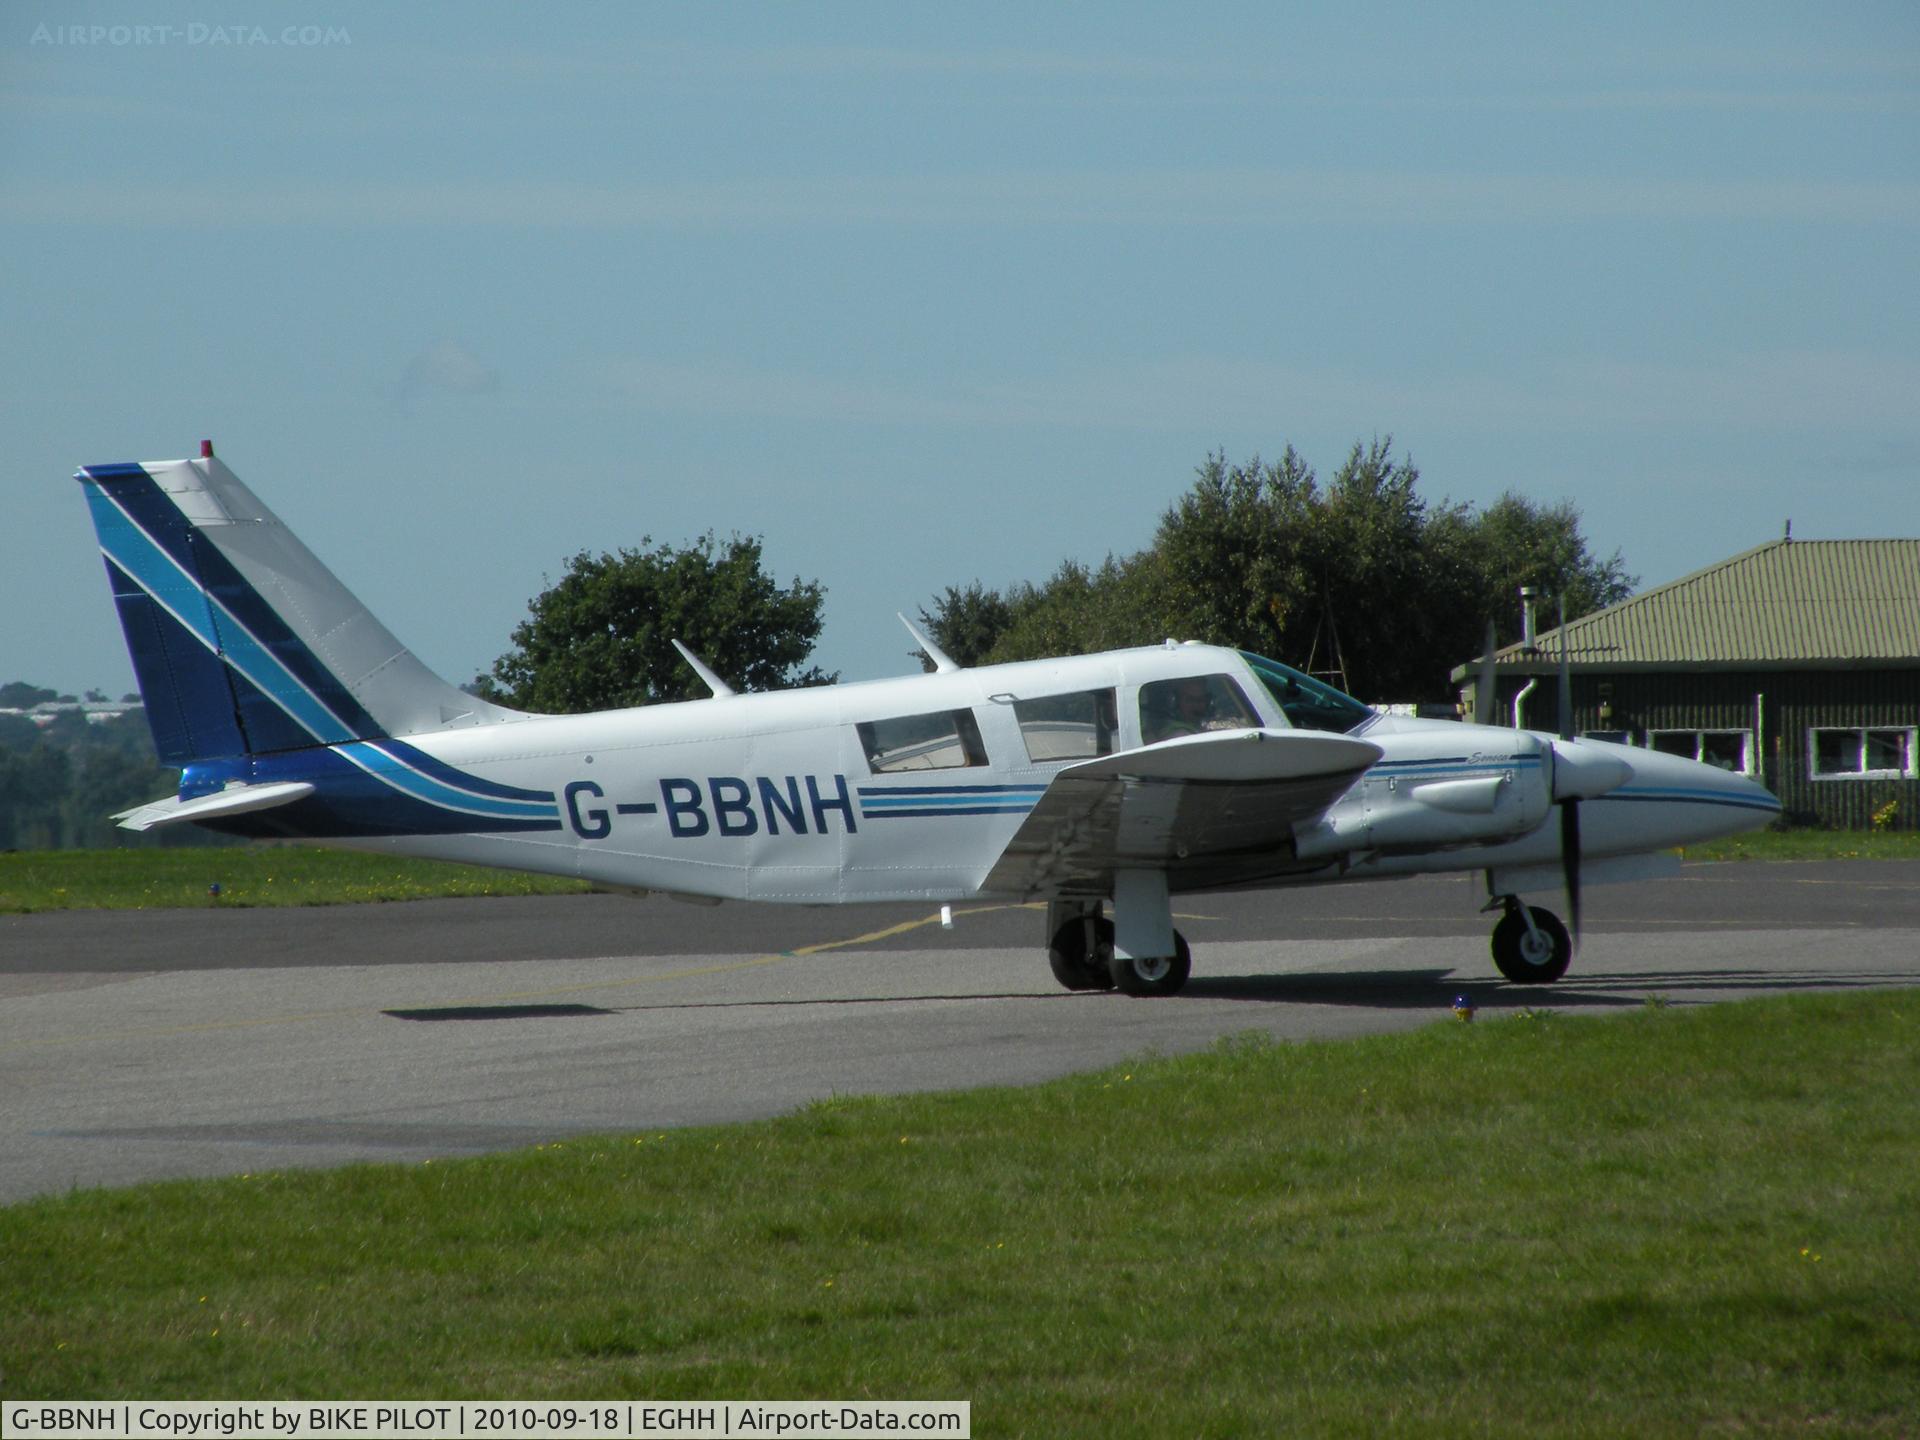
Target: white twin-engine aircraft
1114, 780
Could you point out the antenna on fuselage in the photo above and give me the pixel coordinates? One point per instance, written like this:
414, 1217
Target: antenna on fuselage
721, 690
942, 662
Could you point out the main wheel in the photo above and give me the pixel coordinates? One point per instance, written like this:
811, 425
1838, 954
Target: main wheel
1536, 956
1080, 953
1150, 976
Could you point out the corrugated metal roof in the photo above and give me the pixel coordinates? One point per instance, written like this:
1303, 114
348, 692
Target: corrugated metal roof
1793, 602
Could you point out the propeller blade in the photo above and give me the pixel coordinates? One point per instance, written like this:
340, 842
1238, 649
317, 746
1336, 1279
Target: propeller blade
1570, 862
1566, 678
1483, 696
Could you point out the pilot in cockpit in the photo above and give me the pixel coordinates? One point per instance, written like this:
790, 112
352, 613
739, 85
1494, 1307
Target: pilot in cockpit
1184, 708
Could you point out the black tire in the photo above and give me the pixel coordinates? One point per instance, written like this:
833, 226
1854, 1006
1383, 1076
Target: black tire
1073, 964
1149, 978
1522, 956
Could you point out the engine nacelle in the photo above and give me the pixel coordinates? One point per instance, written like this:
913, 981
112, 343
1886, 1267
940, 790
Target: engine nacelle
1460, 785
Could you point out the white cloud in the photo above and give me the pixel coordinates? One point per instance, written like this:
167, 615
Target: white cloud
445, 367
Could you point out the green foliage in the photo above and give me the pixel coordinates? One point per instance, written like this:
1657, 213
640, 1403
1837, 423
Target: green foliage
969, 622
601, 638
61, 785
19, 695
1357, 578
1516, 542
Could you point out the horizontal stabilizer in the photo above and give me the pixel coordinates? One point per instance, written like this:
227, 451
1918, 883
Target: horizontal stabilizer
234, 800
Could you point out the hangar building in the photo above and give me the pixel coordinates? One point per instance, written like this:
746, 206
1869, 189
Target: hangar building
1797, 663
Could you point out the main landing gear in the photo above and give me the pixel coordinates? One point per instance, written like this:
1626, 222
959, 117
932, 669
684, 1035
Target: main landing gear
1530, 945
1082, 953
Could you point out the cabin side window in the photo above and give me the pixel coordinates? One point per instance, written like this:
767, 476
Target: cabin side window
941, 740
1192, 705
1078, 726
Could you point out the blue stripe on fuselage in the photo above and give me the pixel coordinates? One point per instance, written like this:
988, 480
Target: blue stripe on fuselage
1673, 795
352, 800
897, 802
380, 762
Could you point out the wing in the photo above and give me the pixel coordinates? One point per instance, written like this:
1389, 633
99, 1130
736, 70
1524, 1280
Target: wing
1213, 809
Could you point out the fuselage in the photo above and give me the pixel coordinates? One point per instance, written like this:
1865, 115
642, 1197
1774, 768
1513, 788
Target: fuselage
912, 788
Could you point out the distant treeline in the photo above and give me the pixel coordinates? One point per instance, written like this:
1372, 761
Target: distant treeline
62, 783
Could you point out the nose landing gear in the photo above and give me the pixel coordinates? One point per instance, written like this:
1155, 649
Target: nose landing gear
1530, 945
1156, 975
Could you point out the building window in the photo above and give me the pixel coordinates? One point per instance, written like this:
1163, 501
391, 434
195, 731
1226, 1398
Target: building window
943, 740
1722, 749
1079, 726
1863, 754
1612, 737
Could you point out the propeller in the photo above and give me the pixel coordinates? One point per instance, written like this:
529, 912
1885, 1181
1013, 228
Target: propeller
1570, 806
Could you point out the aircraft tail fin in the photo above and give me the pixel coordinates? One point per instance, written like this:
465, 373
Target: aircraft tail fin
242, 641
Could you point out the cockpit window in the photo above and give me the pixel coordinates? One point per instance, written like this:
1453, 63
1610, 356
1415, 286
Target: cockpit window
1309, 703
1191, 705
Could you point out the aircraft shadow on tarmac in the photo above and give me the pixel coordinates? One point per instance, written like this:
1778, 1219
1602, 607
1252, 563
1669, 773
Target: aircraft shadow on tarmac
1433, 989
498, 1012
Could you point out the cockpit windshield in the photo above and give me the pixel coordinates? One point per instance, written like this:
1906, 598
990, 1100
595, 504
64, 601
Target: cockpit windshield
1310, 704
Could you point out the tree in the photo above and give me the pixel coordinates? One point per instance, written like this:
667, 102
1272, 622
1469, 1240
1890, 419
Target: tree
1358, 578
1235, 549
110, 779
33, 784
968, 623
601, 638
61, 785
19, 695
1516, 541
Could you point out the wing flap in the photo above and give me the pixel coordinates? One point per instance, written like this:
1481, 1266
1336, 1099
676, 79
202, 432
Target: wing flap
1211, 809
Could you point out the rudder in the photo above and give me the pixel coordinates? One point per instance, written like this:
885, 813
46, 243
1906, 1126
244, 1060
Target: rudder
242, 641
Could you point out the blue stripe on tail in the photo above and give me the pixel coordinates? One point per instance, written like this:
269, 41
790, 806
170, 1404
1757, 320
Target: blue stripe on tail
235, 696
274, 693
190, 706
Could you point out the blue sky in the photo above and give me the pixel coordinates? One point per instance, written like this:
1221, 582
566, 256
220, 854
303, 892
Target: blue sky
926, 294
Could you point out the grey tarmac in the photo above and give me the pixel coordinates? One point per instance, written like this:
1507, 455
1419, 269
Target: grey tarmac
149, 1045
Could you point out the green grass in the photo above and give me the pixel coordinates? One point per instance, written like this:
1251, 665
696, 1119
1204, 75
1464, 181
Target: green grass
1811, 845
247, 875
1675, 1222
299, 875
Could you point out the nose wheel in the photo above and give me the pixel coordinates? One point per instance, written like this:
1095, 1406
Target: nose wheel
1153, 975
1530, 945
